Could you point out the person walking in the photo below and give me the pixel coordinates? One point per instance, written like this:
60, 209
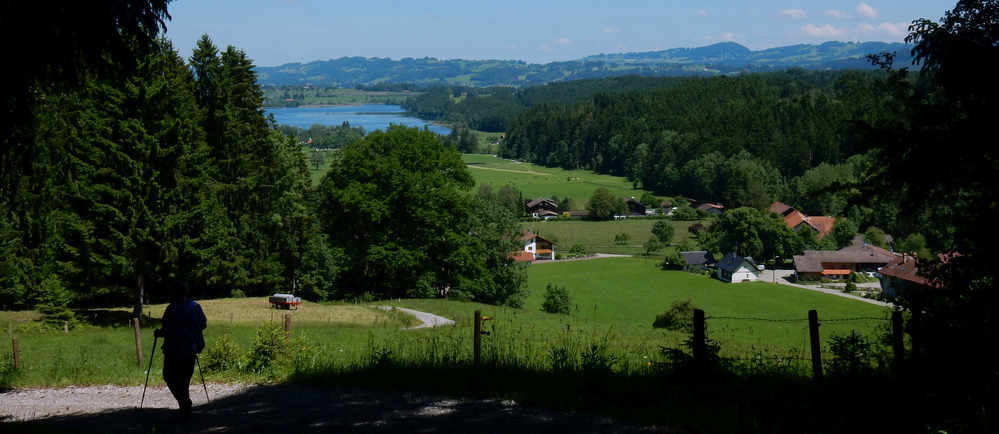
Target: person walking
183, 322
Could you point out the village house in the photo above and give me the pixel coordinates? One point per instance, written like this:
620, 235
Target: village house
697, 260
797, 220
904, 275
542, 208
636, 208
711, 208
536, 248
734, 268
838, 264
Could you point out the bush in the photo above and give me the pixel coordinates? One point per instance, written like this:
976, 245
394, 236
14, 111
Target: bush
54, 303
556, 300
578, 250
679, 317
674, 261
222, 355
852, 355
850, 287
622, 238
269, 346
237, 293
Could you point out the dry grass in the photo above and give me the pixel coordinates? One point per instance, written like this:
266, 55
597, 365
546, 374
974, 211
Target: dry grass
256, 310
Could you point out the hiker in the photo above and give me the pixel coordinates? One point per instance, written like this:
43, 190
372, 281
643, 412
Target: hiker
183, 322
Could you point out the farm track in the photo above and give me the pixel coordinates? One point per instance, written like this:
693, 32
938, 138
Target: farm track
284, 408
526, 172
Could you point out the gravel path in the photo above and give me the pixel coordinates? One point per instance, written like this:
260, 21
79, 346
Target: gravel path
284, 408
767, 276
427, 320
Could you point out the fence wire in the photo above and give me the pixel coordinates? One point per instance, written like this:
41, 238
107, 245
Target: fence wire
749, 318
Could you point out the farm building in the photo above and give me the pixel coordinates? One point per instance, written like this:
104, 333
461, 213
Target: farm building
734, 268
711, 208
635, 207
542, 208
797, 220
697, 260
838, 264
536, 248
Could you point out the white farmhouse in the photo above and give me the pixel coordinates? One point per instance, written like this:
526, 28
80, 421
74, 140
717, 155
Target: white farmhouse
734, 268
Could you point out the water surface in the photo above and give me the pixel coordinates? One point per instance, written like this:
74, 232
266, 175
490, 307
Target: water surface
370, 116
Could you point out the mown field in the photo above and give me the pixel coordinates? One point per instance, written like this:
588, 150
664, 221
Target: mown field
539, 181
598, 236
614, 304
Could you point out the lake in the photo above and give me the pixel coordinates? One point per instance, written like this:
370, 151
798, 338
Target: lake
370, 116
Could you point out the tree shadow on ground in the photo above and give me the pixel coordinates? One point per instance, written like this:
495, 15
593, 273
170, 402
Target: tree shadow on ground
297, 408
112, 318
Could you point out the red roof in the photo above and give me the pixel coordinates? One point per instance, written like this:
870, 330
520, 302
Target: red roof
905, 268
794, 219
823, 224
708, 205
780, 208
835, 272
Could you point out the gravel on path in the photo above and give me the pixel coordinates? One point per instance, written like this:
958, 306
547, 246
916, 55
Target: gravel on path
285, 408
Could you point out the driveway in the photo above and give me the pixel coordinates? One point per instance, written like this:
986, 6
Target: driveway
782, 277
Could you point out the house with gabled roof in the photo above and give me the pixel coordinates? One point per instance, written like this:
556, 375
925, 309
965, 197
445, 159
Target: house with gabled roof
734, 268
905, 274
711, 208
536, 248
797, 220
542, 207
697, 260
635, 207
838, 264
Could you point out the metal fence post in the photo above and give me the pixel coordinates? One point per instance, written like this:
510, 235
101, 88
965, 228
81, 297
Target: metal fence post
813, 335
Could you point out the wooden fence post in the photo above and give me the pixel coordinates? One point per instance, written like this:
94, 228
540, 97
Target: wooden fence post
138, 340
17, 353
287, 326
700, 348
65, 327
897, 341
477, 339
915, 324
813, 335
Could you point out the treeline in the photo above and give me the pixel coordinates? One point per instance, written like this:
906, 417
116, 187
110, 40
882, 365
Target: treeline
734, 140
491, 109
324, 136
174, 172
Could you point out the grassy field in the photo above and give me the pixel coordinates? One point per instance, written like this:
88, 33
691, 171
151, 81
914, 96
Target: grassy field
598, 236
539, 181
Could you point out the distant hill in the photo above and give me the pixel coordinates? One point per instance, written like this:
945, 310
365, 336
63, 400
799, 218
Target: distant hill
720, 58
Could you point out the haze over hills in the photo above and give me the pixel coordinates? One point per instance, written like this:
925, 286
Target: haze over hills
720, 58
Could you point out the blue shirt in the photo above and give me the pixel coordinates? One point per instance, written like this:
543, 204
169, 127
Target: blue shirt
182, 325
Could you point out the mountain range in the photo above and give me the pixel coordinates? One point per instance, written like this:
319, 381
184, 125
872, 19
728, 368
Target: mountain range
715, 59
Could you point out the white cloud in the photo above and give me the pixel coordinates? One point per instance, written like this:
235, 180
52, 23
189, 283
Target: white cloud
563, 41
894, 29
865, 10
825, 31
703, 12
796, 14
837, 14
611, 30
865, 28
728, 36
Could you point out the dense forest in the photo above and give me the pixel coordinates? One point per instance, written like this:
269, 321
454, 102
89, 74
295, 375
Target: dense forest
170, 170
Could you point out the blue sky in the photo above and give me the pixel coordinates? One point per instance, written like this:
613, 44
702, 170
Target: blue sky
274, 32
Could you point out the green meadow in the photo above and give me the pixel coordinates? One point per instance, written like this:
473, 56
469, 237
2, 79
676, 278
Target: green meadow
614, 304
598, 236
539, 181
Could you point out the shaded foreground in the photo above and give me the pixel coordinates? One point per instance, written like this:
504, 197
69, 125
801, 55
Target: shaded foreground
298, 408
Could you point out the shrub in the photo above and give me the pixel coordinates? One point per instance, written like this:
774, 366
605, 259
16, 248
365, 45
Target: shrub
622, 238
54, 303
679, 317
674, 261
850, 287
556, 300
852, 355
237, 293
222, 355
578, 250
269, 346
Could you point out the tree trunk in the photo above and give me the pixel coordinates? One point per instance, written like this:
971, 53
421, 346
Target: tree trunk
140, 295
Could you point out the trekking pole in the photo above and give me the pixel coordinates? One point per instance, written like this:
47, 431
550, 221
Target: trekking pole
155, 338
198, 359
